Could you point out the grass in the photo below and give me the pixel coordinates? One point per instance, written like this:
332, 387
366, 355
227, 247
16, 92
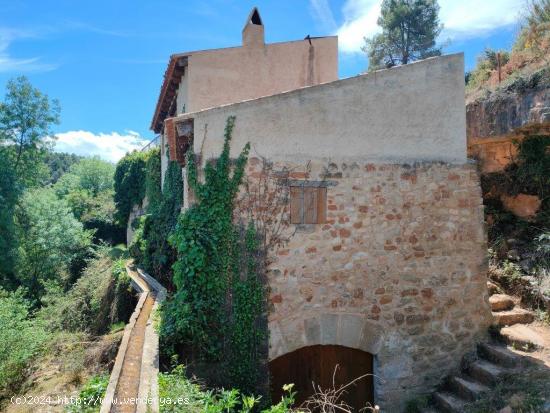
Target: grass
116, 327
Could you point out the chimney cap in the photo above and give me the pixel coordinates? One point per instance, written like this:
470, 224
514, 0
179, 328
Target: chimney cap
254, 18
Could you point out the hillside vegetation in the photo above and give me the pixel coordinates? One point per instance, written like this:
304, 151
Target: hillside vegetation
525, 66
64, 292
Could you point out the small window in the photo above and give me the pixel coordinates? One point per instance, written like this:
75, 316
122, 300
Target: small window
308, 204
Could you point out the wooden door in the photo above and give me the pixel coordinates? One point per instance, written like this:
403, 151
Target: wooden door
316, 364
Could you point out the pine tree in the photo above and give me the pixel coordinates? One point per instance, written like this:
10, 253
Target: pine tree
409, 32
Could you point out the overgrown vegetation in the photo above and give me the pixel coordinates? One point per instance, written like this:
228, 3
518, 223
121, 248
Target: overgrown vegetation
521, 247
21, 339
102, 296
205, 241
52, 243
526, 65
150, 246
90, 395
60, 285
129, 185
190, 397
216, 312
88, 189
524, 392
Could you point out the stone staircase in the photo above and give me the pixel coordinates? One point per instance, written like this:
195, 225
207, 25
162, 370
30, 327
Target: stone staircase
478, 377
511, 320
494, 360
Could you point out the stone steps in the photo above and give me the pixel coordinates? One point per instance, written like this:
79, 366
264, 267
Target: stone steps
499, 355
492, 287
466, 388
495, 361
485, 372
514, 316
522, 337
501, 302
448, 402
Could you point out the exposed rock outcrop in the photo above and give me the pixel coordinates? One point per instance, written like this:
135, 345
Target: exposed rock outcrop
512, 111
505, 113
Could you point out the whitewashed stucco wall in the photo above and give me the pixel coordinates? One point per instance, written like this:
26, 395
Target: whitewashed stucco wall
405, 114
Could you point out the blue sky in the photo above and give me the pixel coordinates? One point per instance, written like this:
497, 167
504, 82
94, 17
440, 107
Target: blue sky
104, 60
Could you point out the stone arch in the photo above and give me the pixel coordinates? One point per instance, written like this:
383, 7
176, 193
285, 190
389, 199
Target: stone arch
347, 330
302, 349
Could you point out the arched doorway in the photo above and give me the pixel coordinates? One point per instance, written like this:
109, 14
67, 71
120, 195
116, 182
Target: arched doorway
316, 364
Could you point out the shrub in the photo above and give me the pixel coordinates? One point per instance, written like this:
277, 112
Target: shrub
21, 339
487, 63
89, 398
194, 399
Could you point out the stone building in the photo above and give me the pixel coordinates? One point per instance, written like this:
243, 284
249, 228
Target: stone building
385, 271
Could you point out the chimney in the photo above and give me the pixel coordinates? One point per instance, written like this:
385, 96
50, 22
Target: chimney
253, 30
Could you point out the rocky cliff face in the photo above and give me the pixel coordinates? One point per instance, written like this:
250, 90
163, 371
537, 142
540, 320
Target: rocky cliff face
521, 106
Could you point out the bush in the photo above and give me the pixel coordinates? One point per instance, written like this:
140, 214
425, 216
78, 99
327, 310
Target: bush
90, 395
21, 339
487, 63
100, 298
194, 399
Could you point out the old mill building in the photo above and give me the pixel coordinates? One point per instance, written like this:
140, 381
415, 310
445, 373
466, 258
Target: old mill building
386, 270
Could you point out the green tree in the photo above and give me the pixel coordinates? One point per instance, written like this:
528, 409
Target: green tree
26, 118
88, 190
59, 163
52, 243
409, 32
9, 193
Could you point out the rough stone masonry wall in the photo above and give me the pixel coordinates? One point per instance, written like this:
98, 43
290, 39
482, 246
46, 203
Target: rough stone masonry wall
398, 270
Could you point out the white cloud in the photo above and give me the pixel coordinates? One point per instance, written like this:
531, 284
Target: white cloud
323, 14
360, 18
461, 19
109, 146
8, 63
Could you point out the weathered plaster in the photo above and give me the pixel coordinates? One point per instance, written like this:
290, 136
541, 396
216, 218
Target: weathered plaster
404, 114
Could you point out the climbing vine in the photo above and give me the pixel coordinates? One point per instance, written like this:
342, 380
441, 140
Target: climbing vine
150, 247
153, 186
249, 325
129, 184
204, 238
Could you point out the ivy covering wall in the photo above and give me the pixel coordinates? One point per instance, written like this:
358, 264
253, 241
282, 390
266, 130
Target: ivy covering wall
129, 184
150, 247
217, 311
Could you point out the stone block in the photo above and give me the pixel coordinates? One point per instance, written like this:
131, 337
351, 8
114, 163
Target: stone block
329, 328
313, 331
